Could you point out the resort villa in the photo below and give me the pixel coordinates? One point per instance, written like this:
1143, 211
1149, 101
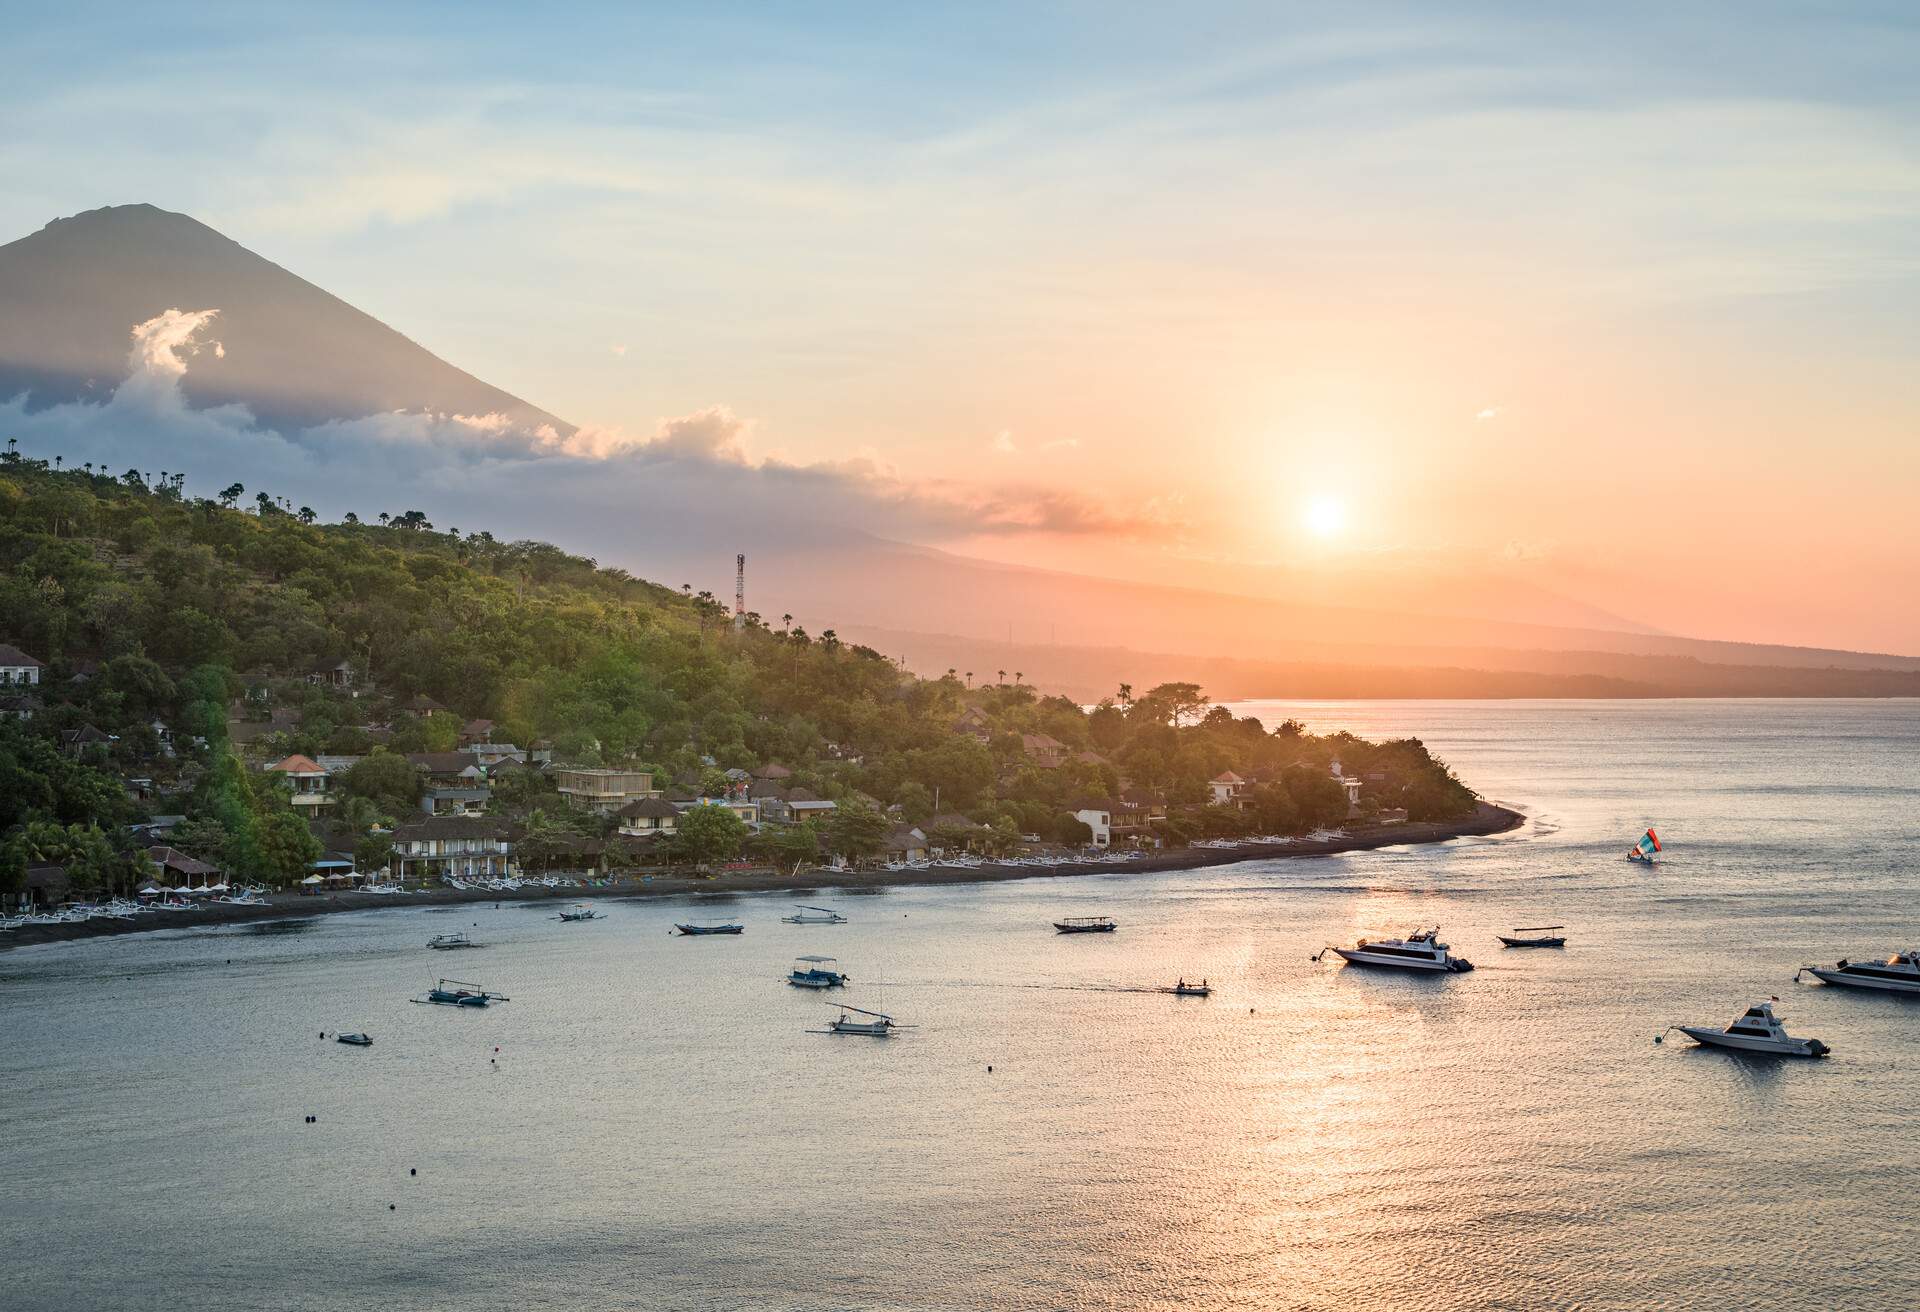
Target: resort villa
18, 669
603, 790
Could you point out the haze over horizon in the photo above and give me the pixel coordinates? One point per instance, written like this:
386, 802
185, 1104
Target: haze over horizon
1568, 321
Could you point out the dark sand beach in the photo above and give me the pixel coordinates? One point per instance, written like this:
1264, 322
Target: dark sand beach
1487, 819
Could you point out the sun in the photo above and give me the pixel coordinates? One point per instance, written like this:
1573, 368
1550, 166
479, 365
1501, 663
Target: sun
1325, 516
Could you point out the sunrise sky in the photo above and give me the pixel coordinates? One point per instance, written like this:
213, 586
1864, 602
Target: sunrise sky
1624, 306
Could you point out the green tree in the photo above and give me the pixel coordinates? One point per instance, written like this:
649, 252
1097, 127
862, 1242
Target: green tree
855, 831
707, 834
287, 847
387, 779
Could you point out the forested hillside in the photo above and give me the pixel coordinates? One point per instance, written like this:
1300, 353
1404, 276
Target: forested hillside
163, 617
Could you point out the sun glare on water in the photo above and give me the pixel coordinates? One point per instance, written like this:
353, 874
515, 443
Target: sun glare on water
1326, 516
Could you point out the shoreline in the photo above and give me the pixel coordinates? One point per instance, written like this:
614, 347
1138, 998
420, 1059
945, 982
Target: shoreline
1488, 819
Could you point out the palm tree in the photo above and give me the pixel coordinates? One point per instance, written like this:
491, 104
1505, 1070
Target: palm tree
1003, 677
786, 622
969, 678
1126, 694
1017, 677
384, 518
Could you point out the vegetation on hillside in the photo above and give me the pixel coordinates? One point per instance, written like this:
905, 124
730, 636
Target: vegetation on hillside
157, 612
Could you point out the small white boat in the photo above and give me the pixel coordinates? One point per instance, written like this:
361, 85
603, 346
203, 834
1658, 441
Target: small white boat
1420, 950
1755, 1030
1899, 973
448, 942
814, 916
1182, 989
878, 1025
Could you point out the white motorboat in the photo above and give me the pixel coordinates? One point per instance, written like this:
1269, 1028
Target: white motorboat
1755, 1030
1420, 950
814, 916
447, 942
1899, 973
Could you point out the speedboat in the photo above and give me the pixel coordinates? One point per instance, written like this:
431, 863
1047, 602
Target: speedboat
1899, 973
455, 993
814, 916
1420, 950
1755, 1030
1086, 925
1183, 989
581, 911
878, 1025
711, 929
356, 1040
1535, 936
813, 973
446, 942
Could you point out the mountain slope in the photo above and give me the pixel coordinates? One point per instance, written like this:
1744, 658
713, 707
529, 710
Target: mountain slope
293, 354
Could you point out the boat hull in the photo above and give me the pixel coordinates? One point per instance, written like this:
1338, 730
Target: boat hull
1084, 929
1532, 942
1852, 981
693, 931
1361, 957
1758, 1046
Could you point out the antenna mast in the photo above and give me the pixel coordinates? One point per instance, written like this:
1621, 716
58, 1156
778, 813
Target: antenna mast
739, 592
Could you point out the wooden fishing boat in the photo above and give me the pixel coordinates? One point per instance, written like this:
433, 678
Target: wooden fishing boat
1543, 936
456, 993
1086, 925
355, 1040
691, 930
878, 1025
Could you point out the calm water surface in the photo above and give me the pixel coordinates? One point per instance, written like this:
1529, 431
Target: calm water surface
659, 1129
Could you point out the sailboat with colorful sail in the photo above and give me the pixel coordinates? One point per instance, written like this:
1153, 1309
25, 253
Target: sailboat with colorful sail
1643, 850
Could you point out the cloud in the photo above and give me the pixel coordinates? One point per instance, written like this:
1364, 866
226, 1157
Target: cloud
618, 348
1490, 412
1003, 443
689, 486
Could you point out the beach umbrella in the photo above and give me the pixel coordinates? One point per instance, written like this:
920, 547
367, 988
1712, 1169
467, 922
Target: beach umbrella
311, 879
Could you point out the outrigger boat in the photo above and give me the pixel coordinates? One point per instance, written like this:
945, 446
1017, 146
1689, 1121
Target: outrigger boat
581, 911
1544, 936
1185, 990
1420, 950
711, 929
812, 973
1899, 973
355, 1040
447, 942
814, 916
879, 1025
455, 993
1086, 925
1642, 851
1755, 1030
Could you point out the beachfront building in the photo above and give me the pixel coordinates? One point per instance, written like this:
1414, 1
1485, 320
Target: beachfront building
1097, 816
604, 791
745, 807
907, 843
1227, 788
802, 809
649, 815
464, 847
311, 793
18, 669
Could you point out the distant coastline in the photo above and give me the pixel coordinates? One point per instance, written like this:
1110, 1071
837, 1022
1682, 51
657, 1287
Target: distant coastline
1487, 819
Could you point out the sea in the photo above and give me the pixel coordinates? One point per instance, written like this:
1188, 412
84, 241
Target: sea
656, 1121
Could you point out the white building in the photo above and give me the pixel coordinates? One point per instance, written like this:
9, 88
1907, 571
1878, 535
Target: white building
17, 668
1100, 820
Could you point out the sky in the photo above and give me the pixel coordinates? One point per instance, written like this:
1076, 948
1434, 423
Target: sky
1621, 306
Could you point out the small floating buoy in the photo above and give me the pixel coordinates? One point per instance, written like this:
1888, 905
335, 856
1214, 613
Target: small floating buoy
1658, 1037
989, 1070
413, 1170
323, 1034
390, 1207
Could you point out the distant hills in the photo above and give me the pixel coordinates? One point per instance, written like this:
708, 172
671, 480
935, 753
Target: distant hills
295, 355
298, 357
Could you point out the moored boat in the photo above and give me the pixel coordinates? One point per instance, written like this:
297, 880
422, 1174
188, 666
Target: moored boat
581, 911
355, 1040
710, 929
1420, 950
1086, 925
1185, 990
449, 942
814, 973
878, 1025
1899, 973
1535, 936
1755, 1030
457, 993
814, 916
